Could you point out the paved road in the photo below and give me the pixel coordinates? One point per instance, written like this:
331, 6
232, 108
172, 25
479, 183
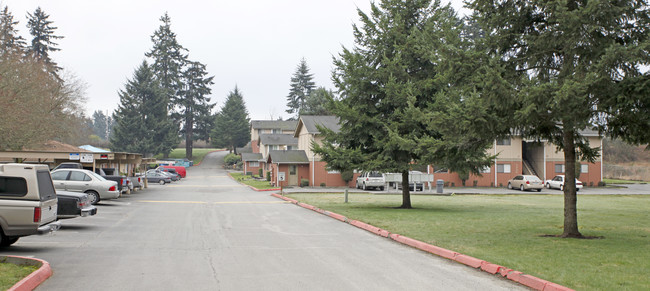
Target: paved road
209, 233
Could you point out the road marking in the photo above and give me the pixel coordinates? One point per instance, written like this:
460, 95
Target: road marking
222, 202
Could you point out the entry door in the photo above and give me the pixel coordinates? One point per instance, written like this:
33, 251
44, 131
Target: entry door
293, 175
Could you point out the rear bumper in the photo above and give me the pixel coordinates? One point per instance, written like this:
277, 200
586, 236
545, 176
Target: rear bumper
50, 227
89, 211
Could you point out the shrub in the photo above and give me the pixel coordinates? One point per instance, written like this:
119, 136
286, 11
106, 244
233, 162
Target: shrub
347, 176
475, 183
304, 182
260, 171
268, 176
601, 184
453, 184
322, 184
231, 159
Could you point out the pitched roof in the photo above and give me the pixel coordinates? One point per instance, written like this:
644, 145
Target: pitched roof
246, 157
311, 121
288, 157
274, 124
278, 139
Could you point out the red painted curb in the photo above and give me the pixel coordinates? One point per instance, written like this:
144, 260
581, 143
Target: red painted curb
550, 286
304, 205
294, 201
491, 268
470, 261
533, 282
35, 278
336, 216
370, 228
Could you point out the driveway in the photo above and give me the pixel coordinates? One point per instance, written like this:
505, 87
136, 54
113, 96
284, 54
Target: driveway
207, 232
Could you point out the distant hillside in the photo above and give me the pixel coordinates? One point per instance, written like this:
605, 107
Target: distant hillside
624, 161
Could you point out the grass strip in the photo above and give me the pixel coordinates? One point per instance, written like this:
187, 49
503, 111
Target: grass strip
10, 274
619, 181
509, 230
250, 181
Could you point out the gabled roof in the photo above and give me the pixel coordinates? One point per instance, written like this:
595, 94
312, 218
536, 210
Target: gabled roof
278, 139
274, 124
248, 157
287, 157
309, 122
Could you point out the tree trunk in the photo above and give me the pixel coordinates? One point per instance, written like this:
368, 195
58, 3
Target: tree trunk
570, 197
406, 195
189, 132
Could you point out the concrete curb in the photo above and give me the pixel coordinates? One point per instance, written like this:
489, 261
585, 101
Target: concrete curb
516, 276
253, 188
35, 278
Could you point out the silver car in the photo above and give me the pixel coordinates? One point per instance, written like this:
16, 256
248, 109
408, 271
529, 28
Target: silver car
526, 182
369, 180
78, 180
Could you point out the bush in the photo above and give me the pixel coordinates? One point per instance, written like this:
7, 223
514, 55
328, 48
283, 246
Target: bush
601, 184
231, 159
260, 171
347, 176
475, 183
322, 184
304, 182
268, 176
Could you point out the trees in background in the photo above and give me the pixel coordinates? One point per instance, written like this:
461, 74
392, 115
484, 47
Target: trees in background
567, 66
316, 102
141, 119
232, 124
38, 102
302, 85
194, 104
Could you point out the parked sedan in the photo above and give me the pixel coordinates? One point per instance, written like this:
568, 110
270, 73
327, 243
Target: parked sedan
526, 182
158, 177
558, 183
73, 204
78, 180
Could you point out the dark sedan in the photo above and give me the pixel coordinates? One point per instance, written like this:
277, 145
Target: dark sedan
73, 204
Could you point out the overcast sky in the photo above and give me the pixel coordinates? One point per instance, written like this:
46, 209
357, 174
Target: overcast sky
254, 44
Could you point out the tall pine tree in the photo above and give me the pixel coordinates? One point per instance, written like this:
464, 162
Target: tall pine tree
43, 39
168, 57
10, 41
569, 66
301, 86
194, 104
141, 120
232, 124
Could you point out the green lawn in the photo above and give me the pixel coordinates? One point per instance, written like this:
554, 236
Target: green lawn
618, 181
10, 274
507, 230
248, 180
197, 154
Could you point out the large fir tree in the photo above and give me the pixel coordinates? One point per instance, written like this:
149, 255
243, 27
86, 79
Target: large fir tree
194, 104
10, 40
169, 57
302, 85
141, 120
43, 39
569, 66
316, 102
394, 85
231, 126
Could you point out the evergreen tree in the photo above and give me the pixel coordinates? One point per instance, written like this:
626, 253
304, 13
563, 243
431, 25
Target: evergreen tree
401, 74
316, 102
301, 86
141, 120
43, 39
566, 66
169, 57
195, 106
10, 41
100, 124
232, 124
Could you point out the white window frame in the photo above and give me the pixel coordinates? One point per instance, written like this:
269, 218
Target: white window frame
562, 169
584, 168
504, 168
253, 164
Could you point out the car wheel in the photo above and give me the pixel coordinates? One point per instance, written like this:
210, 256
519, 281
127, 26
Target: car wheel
356, 184
161, 182
561, 187
521, 187
548, 186
539, 190
364, 186
381, 188
509, 186
93, 197
6, 241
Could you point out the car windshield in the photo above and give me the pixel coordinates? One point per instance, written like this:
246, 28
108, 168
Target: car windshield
97, 176
375, 175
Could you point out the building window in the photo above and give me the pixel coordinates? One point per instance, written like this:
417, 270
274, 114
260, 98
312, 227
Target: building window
584, 168
484, 170
290, 148
293, 169
503, 168
277, 130
253, 164
559, 168
505, 141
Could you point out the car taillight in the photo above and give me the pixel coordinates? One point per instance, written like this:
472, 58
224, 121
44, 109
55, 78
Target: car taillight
527, 182
80, 204
112, 188
579, 183
37, 214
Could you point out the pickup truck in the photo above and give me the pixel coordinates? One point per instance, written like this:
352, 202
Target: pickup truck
28, 202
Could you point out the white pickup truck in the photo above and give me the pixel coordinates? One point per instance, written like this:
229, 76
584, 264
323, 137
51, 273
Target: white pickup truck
28, 202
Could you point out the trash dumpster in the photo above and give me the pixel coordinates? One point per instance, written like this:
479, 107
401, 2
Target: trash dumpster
439, 184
